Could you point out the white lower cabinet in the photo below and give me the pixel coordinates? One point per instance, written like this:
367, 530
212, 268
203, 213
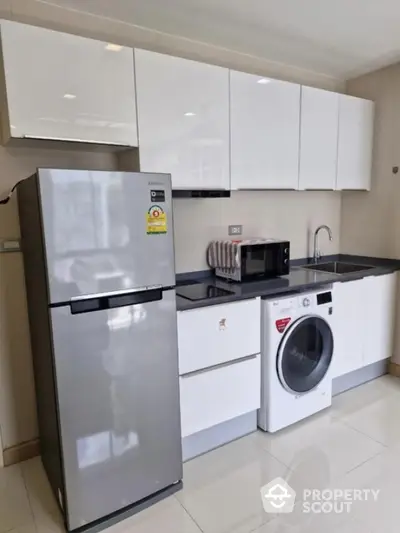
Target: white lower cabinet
364, 321
378, 340
212, 335
219, 363
215, 395
349, 300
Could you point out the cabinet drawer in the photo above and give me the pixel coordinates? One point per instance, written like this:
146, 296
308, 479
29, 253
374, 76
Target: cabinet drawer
215, 395
219, 333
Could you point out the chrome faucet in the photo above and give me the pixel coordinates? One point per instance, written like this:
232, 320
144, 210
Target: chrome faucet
317, 253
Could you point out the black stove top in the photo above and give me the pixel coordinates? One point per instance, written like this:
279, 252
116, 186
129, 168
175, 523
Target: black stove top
201, 291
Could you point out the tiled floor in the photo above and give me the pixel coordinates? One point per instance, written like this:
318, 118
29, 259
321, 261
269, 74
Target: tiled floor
353, 445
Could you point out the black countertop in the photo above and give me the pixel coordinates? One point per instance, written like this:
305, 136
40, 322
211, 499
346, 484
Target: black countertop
298, 280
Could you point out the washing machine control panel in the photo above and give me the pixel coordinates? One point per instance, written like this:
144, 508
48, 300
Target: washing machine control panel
306, 302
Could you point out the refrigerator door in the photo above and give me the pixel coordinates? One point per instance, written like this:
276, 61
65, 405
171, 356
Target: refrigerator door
105, 231
118, 399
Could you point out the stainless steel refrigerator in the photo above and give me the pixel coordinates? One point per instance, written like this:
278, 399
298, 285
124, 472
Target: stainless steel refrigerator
99, 264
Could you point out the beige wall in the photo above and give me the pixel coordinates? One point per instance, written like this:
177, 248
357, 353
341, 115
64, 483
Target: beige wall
370, 222
17, 400
290, 215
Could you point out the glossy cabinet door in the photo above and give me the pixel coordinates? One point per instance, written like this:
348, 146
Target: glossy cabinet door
217, 334
215, 395
265, 115
183, 118
64, 87
350, 300
318, 139
379, 328
356, 121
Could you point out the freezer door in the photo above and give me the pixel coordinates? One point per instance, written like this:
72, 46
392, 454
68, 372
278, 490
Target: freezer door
105, 231
118, 399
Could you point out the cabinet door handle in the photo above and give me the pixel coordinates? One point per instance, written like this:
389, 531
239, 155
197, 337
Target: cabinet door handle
71, 139
354, 279
219, 365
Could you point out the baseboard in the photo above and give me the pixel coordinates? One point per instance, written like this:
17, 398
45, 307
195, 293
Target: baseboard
360, 376
21, 452
208, 439
394, 369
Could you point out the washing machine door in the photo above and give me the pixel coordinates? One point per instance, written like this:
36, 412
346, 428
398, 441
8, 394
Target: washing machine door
305, 354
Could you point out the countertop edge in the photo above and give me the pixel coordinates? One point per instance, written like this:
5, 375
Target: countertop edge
325, 280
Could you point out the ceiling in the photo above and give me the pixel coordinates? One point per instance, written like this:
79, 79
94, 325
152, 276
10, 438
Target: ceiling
338, 38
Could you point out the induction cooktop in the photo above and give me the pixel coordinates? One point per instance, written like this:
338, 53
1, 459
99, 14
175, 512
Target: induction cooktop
201, 291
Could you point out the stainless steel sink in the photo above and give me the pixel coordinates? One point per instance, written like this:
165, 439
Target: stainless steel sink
337, 267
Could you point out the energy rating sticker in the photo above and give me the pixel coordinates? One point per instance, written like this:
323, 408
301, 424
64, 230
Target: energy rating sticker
156, 220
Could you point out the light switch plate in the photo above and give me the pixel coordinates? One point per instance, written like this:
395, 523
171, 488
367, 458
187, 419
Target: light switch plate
235, 229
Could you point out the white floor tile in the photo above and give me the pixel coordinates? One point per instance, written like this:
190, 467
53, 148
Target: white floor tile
50, 524
380, 473
366, 395
380, 420
167, 515
48, 517
355, 445
15, 510
222, 488
24, 529
319, 450
315, 524
41, 497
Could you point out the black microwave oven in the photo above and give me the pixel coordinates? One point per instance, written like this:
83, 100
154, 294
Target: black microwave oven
257, 260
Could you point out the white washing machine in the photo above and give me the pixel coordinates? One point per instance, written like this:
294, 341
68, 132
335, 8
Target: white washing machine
296, 355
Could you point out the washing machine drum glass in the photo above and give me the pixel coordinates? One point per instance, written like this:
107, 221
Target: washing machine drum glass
305, 354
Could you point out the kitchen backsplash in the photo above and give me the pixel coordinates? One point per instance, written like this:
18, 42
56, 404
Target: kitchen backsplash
291, 215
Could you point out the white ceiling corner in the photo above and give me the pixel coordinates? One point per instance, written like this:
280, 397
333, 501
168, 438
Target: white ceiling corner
339, 39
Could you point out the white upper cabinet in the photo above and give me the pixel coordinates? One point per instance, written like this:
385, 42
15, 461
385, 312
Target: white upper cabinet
265, 121
183, 118
356, 120
318, 139
64, 87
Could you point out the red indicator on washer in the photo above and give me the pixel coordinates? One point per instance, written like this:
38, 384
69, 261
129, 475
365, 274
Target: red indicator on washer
282, 324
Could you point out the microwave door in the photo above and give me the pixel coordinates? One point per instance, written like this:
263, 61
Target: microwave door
255, 261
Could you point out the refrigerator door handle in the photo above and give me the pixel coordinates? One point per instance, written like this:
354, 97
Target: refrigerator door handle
115, 300
114, 293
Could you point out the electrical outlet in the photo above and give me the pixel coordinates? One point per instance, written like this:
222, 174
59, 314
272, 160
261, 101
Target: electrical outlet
235, 229
10, 245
